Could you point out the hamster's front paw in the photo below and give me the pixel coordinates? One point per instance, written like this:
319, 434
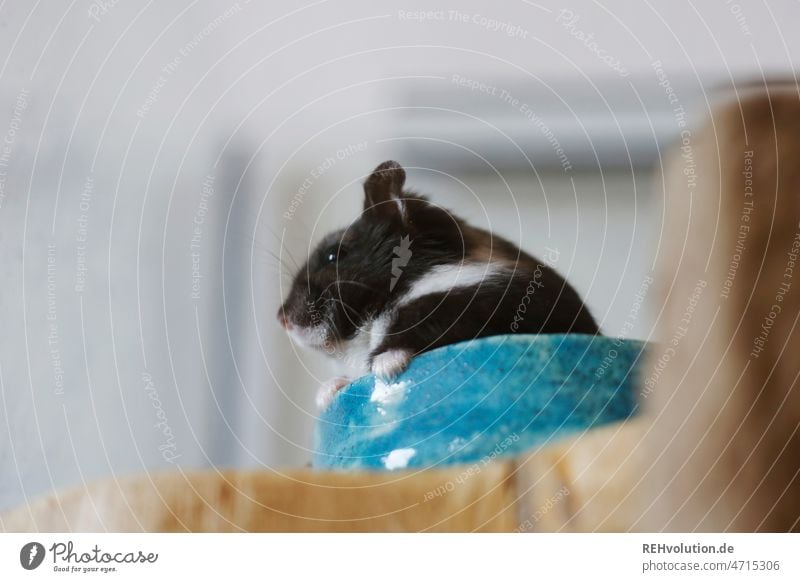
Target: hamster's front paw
328, 391
390, 363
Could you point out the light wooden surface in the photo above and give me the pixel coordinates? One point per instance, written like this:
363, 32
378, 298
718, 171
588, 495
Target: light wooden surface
298, 500
568, 486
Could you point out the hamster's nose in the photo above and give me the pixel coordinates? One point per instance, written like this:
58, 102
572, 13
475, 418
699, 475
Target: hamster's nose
284, 321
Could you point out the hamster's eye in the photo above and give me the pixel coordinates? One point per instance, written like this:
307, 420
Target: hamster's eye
333, 254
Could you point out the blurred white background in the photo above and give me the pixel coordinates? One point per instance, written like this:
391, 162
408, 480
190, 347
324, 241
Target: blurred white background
154, 156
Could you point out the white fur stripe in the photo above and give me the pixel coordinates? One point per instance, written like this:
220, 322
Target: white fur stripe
443, 278
378, 330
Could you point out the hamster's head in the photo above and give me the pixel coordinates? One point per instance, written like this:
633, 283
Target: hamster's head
356, 273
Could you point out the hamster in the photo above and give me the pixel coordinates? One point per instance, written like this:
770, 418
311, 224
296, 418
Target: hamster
409, 276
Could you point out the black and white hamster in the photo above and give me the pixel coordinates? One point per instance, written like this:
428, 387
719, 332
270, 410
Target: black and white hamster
409, 276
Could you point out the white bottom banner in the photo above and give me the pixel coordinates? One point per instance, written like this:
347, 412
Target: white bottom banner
355, 557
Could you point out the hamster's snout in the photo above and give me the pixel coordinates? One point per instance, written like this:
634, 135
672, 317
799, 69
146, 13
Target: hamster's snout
284, 320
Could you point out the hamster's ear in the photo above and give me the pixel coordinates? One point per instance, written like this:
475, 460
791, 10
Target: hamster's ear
383, 191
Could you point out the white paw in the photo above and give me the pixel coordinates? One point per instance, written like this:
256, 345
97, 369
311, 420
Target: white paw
328, 391
390, 363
